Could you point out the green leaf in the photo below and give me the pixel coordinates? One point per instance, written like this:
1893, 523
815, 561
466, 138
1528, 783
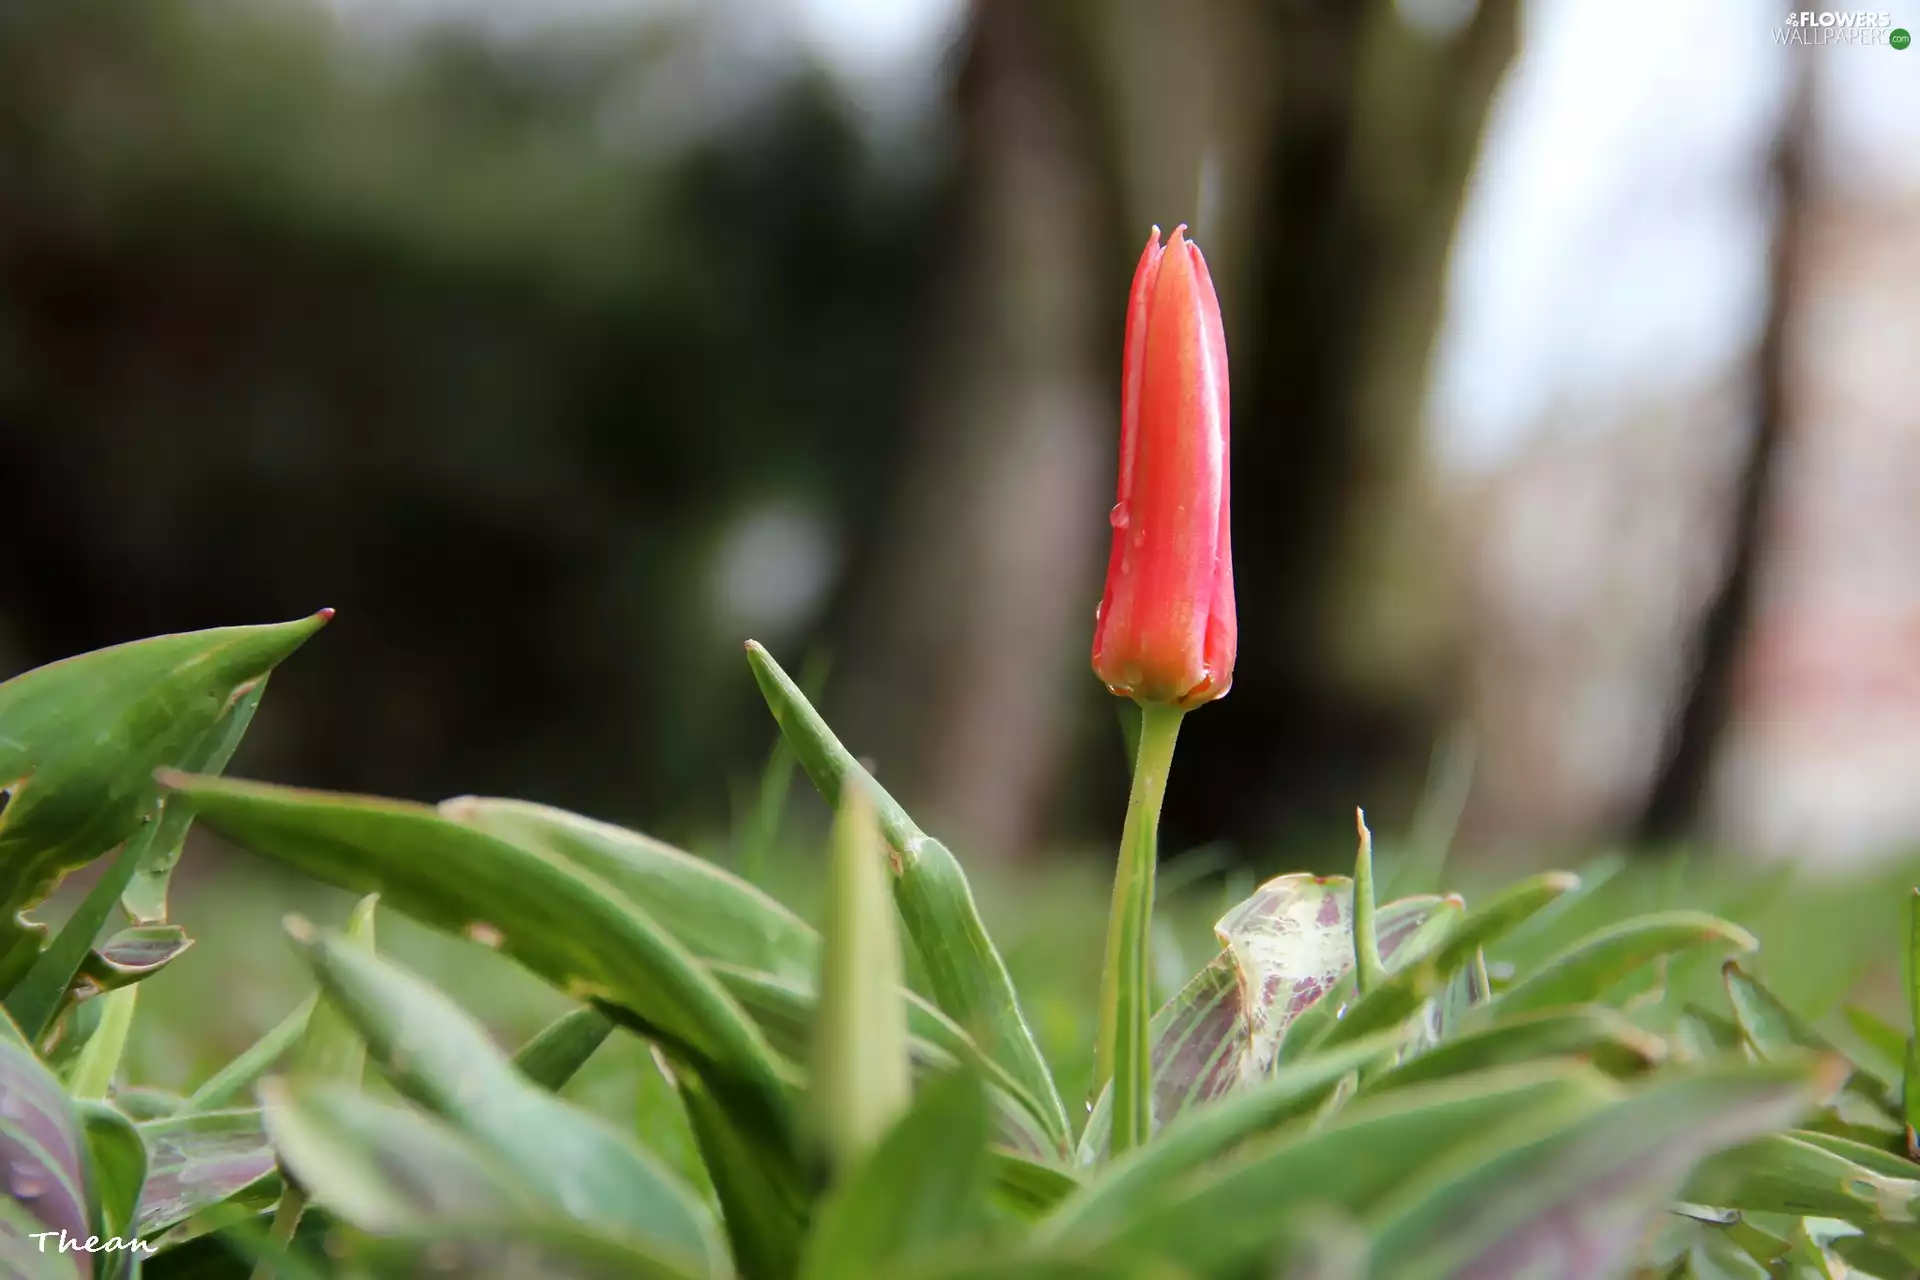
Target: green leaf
921, 1188
1502, 914
1597, 1033
987, 1266
1591, 966
765, 956
80, 741
511, 1251
1409, 989
99, 1057
1787, 1173
1885, 1163
116, 1168
860, 1080
145, 1103
233, 1240
238, 1075
145, 898
385, 1168
1368, 969
713, 914
41, 992
1701, 1035
573, 929
764, 1195
329, 1052
935, 1044
1572, 1198
433, 1053
22, 1257
1286, 955
1144, 1177
129, 956
660, 1121
41, 1153
1878, 1035
1026, 1188
332, 1048
552, 1058
1229, 1216
198, 1160
1775, 1030
969, 978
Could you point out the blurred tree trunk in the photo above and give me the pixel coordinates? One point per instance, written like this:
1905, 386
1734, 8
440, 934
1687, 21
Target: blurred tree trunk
1319, 152
1676, 799
963, 683
1343, 154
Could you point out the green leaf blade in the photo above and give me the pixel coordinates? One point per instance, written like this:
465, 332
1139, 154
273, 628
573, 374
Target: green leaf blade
969, 978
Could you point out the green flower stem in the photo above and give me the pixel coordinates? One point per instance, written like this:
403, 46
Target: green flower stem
1126, 991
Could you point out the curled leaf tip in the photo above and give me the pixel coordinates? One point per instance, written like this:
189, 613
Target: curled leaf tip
1360, 823
1564, 881
172, 779
298, 927
325, 615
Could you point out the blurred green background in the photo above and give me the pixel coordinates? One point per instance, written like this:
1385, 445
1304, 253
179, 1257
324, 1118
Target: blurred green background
562, 348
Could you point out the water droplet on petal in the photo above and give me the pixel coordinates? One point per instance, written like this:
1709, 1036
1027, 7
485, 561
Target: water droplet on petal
1119, 517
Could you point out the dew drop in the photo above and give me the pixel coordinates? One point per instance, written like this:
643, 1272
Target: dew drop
1139, 538
26, 1181
1119, 517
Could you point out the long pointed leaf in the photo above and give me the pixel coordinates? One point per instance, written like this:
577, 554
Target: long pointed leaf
1588, 968
714, 914
226, 1084
969, 978
1573, 1199
80, 740
921, 1188
563, 1046
198, 1160
573, 929
435, 1054
1147, 1175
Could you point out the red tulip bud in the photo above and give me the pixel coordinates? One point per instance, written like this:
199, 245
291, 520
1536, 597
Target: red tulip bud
1165, 631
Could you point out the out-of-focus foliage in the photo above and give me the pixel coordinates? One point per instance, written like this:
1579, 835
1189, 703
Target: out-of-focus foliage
522, 338
1511, 1086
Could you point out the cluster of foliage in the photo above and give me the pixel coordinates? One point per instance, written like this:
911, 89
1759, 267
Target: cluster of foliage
1348, 1089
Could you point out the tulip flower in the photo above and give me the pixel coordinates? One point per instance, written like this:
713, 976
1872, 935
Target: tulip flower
1165, 631
1165, 634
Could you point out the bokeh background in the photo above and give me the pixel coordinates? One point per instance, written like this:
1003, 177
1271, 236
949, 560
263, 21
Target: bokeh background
561, 347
